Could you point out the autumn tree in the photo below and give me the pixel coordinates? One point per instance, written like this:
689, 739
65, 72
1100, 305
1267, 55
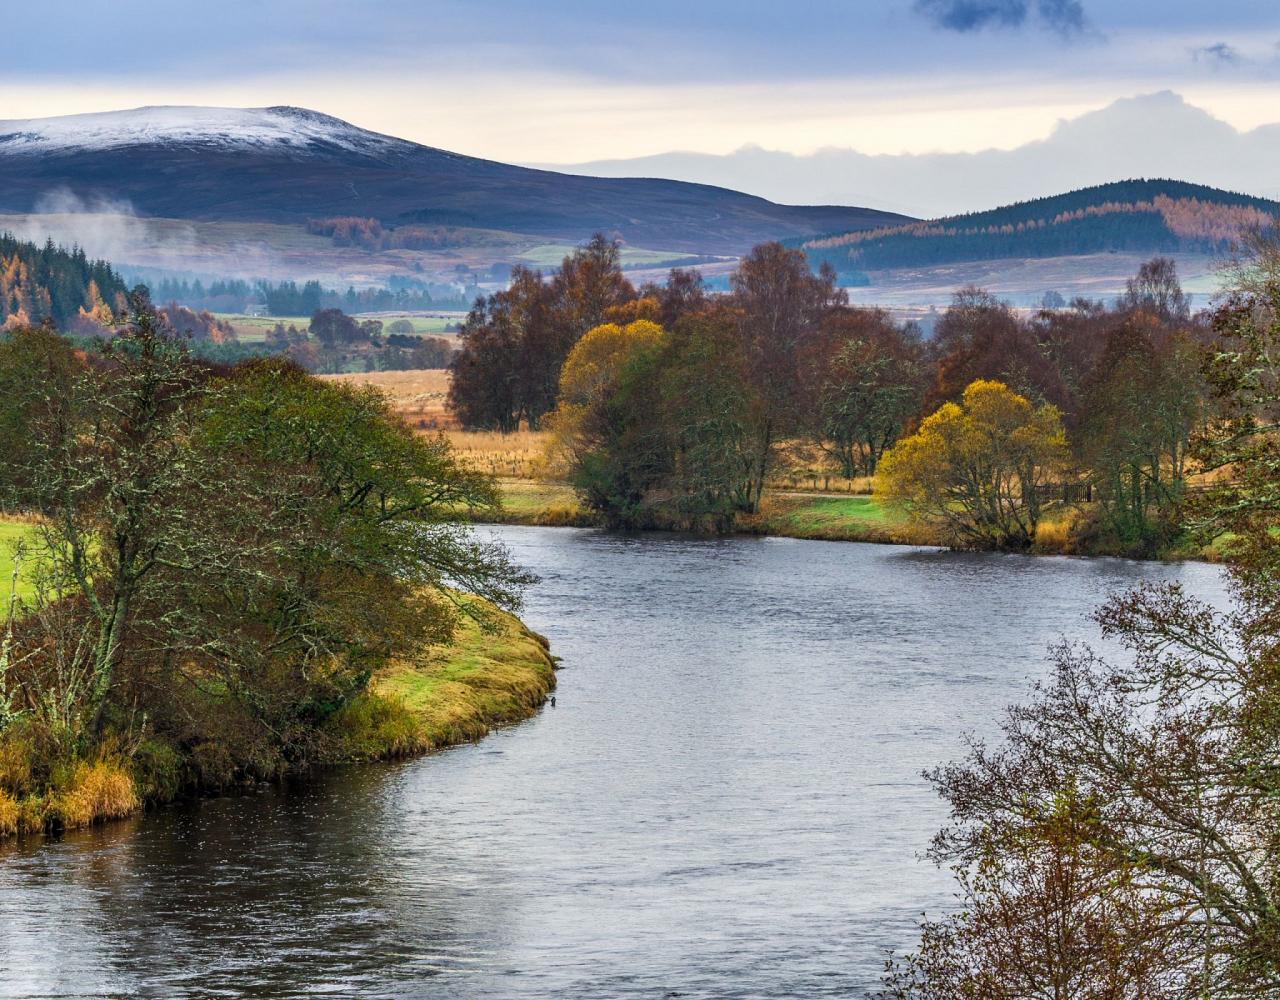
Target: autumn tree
1121, 840
591, 375
335, 329
780, 306
1142, 406
980, 338
975, 468
515, 342
1156, 290
864, 379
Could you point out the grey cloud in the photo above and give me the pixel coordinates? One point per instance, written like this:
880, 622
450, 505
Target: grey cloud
970, 15
1220, 54
1063, 16
1066, 17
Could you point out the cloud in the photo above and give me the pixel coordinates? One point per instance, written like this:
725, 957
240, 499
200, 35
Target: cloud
1219, 54
1066, 17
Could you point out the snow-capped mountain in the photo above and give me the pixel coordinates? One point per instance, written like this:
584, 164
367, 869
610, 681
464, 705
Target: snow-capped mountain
282, 164
233, 128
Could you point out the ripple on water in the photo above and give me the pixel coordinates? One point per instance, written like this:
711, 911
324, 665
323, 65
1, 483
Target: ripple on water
726, 801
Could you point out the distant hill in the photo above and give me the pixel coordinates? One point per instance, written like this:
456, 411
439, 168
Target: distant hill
1133, 216
290, 165
50, 282
1151, 135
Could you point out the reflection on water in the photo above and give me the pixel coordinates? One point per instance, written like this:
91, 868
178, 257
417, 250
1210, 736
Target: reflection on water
726, 801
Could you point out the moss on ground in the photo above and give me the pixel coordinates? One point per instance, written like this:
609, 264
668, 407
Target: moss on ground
12, 531
490, 675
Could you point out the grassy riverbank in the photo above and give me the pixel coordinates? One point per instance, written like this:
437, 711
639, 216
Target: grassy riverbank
488, 676
456, 694
830, 517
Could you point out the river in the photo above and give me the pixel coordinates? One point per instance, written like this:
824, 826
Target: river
725, 802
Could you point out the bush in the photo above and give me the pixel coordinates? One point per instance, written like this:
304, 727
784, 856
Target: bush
158, 771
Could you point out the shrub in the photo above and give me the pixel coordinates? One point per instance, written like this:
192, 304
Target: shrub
158, 771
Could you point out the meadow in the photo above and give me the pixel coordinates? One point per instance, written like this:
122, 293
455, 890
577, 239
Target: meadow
254, 329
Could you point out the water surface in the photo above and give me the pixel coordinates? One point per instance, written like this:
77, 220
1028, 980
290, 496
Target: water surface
725, 802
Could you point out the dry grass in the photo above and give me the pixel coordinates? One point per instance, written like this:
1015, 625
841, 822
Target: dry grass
10, 814
97, 792
517, 456
418, 395
419, 398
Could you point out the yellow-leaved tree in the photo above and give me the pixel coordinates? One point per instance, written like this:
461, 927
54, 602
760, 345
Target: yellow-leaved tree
976, 469
589, 375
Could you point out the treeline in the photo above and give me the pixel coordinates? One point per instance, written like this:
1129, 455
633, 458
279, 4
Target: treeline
335, 342
289, 298
49, 282
1139, 216
1120, 839
218, 558
670, 406
369, 234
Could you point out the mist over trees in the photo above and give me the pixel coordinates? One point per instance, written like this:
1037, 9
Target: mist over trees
289, 298
39, 283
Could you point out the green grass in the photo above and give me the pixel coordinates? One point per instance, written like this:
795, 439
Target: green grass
836, 518
553, 504
12, 532
488, 676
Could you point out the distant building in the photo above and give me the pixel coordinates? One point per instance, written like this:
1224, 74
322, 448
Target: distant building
255, 307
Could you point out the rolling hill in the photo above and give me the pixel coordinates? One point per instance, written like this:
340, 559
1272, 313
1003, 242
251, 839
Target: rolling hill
1133, 216
285, 165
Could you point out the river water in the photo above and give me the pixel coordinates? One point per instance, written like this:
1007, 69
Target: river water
726, 801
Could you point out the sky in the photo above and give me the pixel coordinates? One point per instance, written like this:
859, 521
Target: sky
563, 81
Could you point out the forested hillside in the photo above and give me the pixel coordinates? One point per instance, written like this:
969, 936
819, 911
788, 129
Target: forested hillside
1145, 216
51, 282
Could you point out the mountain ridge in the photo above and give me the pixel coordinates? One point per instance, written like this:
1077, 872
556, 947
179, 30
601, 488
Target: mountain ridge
1142, 215
287, 164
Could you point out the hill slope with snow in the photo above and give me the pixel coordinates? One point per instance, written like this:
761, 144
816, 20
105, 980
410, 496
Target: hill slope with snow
285, 164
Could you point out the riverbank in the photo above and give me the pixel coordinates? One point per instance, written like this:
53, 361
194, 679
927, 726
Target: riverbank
488, 676
815, 516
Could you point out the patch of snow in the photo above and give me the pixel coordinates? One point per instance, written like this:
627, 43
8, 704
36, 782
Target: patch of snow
237, 128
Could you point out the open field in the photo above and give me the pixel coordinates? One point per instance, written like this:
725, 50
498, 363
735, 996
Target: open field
418, 395
254, 329
516, 456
